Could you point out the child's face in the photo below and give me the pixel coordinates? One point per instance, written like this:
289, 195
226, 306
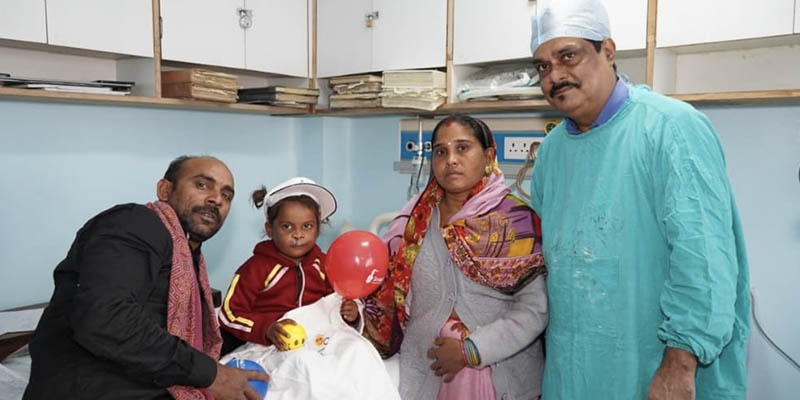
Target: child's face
295, 230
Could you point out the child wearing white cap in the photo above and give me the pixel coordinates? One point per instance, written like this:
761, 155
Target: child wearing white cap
285, 272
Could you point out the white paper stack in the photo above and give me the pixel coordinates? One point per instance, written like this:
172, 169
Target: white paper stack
418, 89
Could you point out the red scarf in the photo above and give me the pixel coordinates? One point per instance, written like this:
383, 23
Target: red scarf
184, 319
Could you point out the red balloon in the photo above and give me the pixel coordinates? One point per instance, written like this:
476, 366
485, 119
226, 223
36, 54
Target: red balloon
356, 264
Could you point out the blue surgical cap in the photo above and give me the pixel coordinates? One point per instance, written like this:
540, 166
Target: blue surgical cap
586, 19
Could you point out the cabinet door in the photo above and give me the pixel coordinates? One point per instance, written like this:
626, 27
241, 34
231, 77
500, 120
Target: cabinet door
203, 32
682, 22
23, 20
278, 40
491, 30
344, 42
797, 18
409, 34
119, 26
628, 19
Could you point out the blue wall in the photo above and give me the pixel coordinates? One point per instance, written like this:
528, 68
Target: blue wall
762, 147
63, 163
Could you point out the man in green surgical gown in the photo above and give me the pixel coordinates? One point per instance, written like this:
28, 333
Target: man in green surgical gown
647, 270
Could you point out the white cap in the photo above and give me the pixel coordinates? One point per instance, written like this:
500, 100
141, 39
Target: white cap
299, 186
586, 19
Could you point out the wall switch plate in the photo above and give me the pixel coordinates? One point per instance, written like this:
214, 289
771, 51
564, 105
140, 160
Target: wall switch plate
516, 147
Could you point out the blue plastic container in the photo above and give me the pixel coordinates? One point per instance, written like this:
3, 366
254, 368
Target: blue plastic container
260, 386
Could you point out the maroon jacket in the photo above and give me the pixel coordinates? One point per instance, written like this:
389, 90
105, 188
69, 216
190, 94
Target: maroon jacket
268, 285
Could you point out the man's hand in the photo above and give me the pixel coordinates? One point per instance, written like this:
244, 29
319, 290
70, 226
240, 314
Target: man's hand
231, 383
275, 329
448, 356
349, 311
674, 379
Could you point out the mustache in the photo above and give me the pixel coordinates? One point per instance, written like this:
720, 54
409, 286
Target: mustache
561, 85
209, 209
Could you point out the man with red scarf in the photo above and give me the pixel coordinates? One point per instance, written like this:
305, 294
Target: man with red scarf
131, 316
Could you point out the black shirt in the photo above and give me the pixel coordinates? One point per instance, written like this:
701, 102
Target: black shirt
103, 335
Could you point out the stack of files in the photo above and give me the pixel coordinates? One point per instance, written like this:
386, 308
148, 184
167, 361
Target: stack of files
356, 91
280, 96
418, 89
119, 88
199, 84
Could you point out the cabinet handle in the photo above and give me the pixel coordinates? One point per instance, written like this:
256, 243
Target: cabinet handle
371, 17
245, 18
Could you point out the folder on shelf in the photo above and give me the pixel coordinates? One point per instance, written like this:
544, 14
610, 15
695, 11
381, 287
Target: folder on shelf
355, 96
201, 77
93, 87
192, 91
272, 95
357, 103
355, 79
290, 104
420, 103
357, 87
280, 89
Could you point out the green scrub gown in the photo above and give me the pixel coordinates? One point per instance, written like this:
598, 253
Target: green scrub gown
644, 249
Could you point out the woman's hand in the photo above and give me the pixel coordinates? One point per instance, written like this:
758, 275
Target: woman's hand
449, 357
275, 329
349, 311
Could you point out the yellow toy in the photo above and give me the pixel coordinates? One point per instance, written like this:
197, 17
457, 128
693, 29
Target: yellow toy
296, 339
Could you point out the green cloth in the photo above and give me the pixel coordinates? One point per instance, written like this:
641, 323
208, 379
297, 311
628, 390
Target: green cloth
644, 249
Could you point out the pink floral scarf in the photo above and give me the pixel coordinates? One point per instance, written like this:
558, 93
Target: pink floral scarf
494, 240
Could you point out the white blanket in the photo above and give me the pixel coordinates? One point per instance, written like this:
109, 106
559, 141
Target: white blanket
336, 362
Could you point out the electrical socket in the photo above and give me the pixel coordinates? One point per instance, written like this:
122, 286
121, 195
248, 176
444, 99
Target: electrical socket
516, 147
409, 145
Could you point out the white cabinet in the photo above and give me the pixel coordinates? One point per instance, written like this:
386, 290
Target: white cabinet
23, 20
119, 26
277, 42
628, 19
491, 30
683, 22
405, 34
209, 32
344, 42
203, 32
409, 34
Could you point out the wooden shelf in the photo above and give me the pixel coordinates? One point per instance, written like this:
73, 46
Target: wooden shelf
41, 95
501, 106
757, 97
477, 107
365, 112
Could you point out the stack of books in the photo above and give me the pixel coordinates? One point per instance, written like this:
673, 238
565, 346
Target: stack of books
119, 88
199, 84
280, 96
418, 89
356, 91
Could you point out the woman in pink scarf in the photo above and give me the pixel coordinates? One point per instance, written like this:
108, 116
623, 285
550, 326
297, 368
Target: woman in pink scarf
468, 320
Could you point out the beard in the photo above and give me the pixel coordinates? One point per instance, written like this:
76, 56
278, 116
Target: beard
196, 229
